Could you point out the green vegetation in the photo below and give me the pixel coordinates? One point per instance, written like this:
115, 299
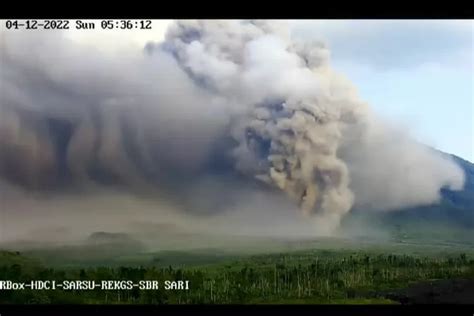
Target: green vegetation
299, 277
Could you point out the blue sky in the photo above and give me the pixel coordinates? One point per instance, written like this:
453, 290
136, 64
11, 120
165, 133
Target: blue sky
417, 73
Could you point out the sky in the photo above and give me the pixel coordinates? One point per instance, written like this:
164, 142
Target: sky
418, 73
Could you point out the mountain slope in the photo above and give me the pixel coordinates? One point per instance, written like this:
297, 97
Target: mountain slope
451, 219
464, 198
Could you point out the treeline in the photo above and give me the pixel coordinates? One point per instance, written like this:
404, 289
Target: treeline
258, 280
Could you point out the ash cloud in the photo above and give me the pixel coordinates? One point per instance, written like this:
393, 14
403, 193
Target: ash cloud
219, 111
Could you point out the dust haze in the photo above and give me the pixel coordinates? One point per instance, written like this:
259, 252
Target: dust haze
223, 128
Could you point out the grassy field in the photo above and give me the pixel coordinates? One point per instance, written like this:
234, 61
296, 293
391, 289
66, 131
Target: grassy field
303, 272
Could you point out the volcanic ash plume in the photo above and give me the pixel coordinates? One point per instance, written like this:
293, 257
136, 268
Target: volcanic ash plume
295, 107
233, 98
293, 146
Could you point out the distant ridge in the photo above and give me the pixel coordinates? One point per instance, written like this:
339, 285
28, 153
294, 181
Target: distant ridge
454, 211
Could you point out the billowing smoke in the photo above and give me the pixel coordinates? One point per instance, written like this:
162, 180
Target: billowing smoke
217, 106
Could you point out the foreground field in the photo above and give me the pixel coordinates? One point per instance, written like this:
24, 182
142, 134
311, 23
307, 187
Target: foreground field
297, 277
